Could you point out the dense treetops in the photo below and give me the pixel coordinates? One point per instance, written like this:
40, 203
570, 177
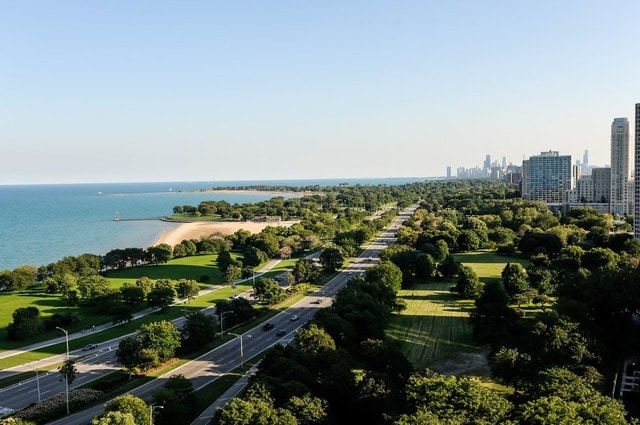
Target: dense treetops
581, 269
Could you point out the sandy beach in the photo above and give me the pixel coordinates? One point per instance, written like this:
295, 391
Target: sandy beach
200, 229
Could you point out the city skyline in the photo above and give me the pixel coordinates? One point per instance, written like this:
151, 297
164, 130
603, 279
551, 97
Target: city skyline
165, 91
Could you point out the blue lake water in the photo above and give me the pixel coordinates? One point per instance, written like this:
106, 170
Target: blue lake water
40, 224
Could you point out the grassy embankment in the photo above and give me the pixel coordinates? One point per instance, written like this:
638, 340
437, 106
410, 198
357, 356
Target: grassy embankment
434, 331
188, 268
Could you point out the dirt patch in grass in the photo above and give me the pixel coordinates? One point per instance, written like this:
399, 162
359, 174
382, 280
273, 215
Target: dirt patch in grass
461, 363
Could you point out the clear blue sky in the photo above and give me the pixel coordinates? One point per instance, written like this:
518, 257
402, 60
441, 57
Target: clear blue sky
111, 91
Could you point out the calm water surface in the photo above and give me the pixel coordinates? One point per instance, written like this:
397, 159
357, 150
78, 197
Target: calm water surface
40, 224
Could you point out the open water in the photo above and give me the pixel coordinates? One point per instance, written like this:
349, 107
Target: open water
41, 224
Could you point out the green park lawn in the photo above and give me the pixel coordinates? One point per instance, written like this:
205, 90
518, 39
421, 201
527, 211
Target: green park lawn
200, 268
182, 268
435, 326
487, 264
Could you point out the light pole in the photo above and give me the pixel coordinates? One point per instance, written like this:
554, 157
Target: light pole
241, 349
38, 384
221, 318
151, 412
186, 300
66, 377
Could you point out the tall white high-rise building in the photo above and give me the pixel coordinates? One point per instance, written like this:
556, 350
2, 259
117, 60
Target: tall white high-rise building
621, 167
636, 215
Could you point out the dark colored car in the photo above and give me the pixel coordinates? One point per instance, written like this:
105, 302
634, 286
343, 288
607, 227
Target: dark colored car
281, 333
267, 326
89, 347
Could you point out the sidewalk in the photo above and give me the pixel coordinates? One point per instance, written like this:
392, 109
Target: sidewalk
26, 367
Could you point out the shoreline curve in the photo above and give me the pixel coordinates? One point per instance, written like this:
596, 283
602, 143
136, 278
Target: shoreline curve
199, 229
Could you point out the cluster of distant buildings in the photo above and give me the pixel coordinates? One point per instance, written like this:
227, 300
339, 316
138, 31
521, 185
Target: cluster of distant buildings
555, 180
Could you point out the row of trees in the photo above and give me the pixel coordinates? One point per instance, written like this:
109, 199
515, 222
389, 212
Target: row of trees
176, 397
97, 292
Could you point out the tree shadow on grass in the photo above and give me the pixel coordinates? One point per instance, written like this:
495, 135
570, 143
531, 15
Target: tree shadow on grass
449, 300
170, 271
488, 257
50, 302
430, 339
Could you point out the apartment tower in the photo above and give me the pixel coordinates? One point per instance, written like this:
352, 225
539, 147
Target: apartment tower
636, 216
621, 167
547, 177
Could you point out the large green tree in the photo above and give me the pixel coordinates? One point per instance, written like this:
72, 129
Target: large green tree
130, 404
163, 337
161, 298
198, 330
187, 288
26, 322
331, 259
268, 291
386, 273
468, 284
116, 418
178, 398
313, 339
514, 279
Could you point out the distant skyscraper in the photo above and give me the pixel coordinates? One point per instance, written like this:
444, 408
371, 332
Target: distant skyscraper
487, 163
547, 177
584, 166
621, 170
636, 216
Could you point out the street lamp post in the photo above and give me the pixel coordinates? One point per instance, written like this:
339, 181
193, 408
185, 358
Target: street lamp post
186, 300
66, 378
221, 319
151, 412
38, 384
241, 348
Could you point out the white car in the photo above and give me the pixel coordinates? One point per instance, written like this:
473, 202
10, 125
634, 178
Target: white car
294, 318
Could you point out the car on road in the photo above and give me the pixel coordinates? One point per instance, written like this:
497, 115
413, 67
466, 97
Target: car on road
267, 326
316, 302
89, 347
294, 318
281, 333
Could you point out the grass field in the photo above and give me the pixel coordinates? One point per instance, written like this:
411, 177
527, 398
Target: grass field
487, 264
194, 268
181, 268
434, 331
434, 326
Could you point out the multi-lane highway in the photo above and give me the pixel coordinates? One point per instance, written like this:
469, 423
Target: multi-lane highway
209, 366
